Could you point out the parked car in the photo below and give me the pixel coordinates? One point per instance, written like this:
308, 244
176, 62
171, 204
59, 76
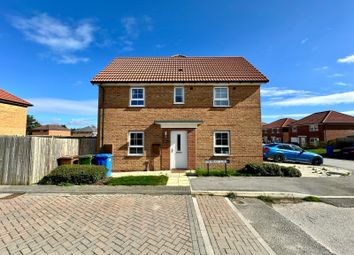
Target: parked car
283, 152
348, 152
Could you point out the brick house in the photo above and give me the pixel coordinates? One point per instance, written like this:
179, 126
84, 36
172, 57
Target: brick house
89, 131
13, 114
277, 131
321, 127
51, 130
175, 112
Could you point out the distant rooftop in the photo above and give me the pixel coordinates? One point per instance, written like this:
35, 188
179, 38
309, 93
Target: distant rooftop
325, 117
50, 127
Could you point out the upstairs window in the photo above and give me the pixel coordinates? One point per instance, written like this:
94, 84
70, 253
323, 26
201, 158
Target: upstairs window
137, 97
136, 144
221, 97
221, 143
178, 95
313, 128
294, 129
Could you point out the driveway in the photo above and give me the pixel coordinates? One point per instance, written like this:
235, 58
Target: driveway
124, 224
342, 163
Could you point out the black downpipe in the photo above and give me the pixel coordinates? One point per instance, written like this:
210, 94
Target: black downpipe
102, 117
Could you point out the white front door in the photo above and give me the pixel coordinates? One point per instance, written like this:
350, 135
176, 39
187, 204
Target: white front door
179, 150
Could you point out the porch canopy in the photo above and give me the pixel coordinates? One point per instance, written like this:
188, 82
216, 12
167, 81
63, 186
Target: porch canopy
178, 123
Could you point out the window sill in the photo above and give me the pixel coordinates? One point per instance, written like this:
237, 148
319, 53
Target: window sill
135, 155
219, 106
221, 155
137, 106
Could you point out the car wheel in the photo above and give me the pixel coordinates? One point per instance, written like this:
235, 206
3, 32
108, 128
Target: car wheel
278, 158
316, 161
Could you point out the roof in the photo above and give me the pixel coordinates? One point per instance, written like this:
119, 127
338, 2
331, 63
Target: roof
179, 68
6, 97
285, 122
85, 129
326, 117
51, 127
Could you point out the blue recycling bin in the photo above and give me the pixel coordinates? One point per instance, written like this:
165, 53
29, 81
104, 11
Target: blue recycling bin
105, 159
330, 151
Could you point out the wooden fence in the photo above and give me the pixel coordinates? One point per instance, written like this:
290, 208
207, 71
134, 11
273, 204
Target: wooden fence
25, 160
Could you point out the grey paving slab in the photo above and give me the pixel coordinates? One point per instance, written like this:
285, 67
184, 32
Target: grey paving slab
331, 186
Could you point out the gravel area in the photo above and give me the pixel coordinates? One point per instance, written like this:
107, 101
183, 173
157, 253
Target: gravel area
283, 236
317, 171
331, 226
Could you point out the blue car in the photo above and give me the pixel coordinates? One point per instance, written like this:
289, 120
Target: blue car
282, 152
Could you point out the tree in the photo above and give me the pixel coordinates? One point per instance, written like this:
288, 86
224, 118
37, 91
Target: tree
31, 124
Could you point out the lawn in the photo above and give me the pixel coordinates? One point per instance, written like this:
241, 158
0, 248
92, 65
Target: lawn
321, 151
138, 180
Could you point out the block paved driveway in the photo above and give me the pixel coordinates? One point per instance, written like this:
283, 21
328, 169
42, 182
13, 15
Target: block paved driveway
122, 224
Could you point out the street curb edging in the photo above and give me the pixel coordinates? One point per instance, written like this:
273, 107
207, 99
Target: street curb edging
253, 194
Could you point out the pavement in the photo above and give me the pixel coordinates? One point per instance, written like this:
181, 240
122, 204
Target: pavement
175, 178
342, 163
124, 224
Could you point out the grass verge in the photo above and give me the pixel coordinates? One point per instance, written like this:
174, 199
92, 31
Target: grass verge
266, 199
312, 199
138, 180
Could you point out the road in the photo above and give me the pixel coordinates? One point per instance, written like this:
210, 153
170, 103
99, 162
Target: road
342, 163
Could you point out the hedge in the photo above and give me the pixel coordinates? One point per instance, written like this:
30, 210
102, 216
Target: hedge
270, 170
75, 174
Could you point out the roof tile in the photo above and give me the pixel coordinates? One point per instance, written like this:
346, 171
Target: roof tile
179, 69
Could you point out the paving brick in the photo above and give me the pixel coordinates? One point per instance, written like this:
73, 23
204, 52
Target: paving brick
227, 232
97, 224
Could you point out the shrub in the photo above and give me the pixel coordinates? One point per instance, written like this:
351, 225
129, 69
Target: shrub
312, 199
266, 199
270, 170
212, 172
75, 174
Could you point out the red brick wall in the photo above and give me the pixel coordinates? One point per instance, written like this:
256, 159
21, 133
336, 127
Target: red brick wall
242, 119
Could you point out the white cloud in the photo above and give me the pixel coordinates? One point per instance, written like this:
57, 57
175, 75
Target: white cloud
132, 27
278, 92
349, 112
279, 116
61, 38
347, 59
335, 75
81, 122
332, 99
321, 68
340, 83
303, 41
63, 106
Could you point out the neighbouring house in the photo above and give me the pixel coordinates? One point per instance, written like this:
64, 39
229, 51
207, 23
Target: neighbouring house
277, 131
176, 112
13, 114
51, 130
89, 131
321, 127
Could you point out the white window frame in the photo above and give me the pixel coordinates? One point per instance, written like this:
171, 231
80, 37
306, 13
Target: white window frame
313, 127
221, 146
131, 97
174, 95
135, 146
294, 129
228, 97
314, 141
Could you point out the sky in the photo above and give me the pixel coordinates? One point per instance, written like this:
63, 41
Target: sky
50, 50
